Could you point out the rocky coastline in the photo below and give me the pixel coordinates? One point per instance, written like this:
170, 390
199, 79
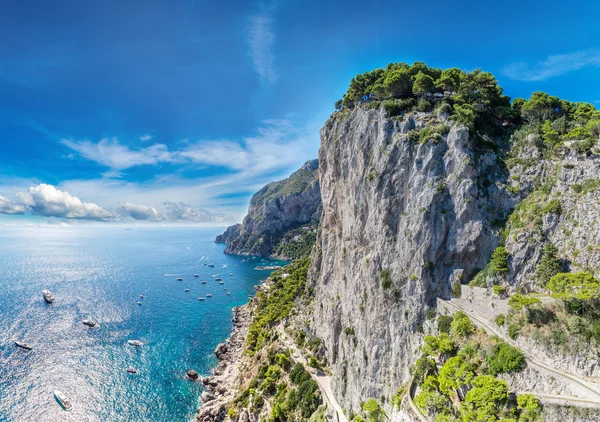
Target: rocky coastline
221, 385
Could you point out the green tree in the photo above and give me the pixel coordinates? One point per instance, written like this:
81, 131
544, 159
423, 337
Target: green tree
529, 407
423, 366
505, 358
541, 106
549, 264
455, 373
374, 410
499, 261
518, 301
578, 286
550, 136
398, 83
423, 83
430, 399
450, 79
485, 400
461, 325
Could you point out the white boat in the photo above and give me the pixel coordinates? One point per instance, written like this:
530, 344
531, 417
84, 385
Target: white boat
135, 343
187, 290
131, 370
218, 279
23, 345
89, 322
203, 282
62, 400
231, 275
179, 279
48, 298
228, 293
221, 282
201, 298
140, 303
209, 295
196, 275
224, 266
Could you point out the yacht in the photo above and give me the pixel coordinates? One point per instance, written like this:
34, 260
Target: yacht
187, 290
221, 282
218, 279
89, 322
228, 293
224, 266
209, 295
141, 296
211, 265
140, 303
136, 343
131, 370
23, 345
48, 298
62, 400
203, 282
231, 275
196, 275
179, 279
201, 298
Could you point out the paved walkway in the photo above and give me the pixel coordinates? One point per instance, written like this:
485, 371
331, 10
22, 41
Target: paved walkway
323, 380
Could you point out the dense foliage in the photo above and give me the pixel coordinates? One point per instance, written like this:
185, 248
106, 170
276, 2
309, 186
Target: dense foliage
457, 377
276, 305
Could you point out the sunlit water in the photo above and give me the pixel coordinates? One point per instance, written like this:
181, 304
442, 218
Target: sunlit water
100, 273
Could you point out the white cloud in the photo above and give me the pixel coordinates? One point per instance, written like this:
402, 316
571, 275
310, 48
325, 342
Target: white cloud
261, 41
47, 201
145, 138
110, 153
139, 212
9, 207
554, 65
179, 211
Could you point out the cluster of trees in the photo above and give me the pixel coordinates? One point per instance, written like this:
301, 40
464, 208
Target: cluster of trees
297, 399
476, 100
275, 305
400, 80
557, 120
460, 365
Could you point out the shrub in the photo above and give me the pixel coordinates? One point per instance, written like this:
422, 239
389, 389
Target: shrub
530, 408
424, 106
513, 331
397, 107
461, 325
500, 320
457, 289
423, 366
552, 207
444, 322
499, 290
431, 312
518, 302
350, 331
505, 358
374, 409
386, 280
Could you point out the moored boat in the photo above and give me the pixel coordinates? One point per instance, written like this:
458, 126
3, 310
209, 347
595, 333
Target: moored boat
48, 298
23, 345
179, 279
187, 290
89, 322
62, 400
131, 370
135, 343
196, 275
201, 298
209, 295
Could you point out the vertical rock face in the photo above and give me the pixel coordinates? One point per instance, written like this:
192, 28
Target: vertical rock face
274, 210
229, 234
402, 220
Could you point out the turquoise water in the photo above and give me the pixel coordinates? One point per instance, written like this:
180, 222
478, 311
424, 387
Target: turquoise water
100, 273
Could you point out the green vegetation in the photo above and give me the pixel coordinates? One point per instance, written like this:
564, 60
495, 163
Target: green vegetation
295, 393
549, 264
579, 287
444, 323
499, 261
461, 326
456, 289
519, 301
386, 280
374, 411
469, 363
276, 304
296, 243
499, 290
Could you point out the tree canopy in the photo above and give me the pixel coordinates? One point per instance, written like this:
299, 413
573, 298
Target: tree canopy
575, 286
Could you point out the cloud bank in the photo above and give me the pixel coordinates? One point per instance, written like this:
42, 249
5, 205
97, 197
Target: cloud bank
554, 65
48, 201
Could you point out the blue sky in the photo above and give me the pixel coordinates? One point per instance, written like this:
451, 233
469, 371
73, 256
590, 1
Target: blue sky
180, 110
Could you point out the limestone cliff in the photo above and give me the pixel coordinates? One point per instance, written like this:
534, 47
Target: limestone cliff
275, 210
402, 219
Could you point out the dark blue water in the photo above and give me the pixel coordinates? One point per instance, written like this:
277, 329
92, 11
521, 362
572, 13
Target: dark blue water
100, 273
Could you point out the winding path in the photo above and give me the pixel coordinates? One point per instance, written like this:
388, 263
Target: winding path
323, 380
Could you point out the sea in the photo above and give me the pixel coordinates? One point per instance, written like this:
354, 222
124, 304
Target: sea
100, 272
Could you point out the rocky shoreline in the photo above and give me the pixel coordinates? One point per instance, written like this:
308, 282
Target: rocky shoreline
221, 385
